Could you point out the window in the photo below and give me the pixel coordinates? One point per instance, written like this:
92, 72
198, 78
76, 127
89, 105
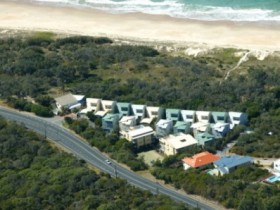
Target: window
204, 117
93, 104
220, 118
183, 140
236, 118
189, 116
124, 109
174, 115
154, 113
139, 111
109, 124
108, 107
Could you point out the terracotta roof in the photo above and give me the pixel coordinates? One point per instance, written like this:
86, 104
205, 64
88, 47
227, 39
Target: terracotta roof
200, 159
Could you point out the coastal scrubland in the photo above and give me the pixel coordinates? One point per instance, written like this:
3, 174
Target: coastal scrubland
40, 66
34, 175
36, 67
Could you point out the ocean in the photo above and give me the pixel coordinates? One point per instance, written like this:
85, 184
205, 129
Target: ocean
208, 10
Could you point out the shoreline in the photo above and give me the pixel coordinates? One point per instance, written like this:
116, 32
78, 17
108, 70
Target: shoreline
138, 26
263, 23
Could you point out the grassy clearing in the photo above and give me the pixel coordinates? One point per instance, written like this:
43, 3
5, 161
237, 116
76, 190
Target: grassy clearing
44, 35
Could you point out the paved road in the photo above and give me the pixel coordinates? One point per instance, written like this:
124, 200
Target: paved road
93, 156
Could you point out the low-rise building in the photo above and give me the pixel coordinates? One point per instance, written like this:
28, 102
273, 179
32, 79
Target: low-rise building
105, 107
151, 114
125, 123
237, 118
182, 127
92, 105
203, 116
110, 122
205, 139
172, 114
199, 160
138, 110
69, 101
140, 135
188, 115
164, 127
228, 164
220, 130
124, 108
220, 117
200, 127
276, 165
173, 144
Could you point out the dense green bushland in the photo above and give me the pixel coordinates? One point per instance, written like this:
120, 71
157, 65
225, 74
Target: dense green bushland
43, 108
97, 67
36, 176
239, 190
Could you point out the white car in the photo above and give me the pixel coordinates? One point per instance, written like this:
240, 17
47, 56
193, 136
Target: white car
108, 161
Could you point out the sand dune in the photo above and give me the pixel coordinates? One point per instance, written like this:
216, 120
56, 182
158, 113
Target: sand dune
15, 15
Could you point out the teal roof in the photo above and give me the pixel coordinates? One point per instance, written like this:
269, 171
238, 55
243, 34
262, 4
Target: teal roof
182, 125
204, 137
219, 116
173, 111
172, 114
124, 108
110, 117
123, 104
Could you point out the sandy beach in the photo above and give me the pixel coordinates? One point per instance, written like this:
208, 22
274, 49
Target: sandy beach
25, 16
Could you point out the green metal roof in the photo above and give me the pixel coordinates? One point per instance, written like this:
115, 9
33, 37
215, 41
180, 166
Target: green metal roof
182, 125
173, 111
123, 104
204, 137
217, 115
110, 117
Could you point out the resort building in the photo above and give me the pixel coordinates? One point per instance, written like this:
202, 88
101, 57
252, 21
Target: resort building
203, 116
172, 114
220, 129
276, 165
124, 108
93, 105
228, 164
125, 123
188, 115
182, 127
200, 127
199, 160
140, 135
205, 139
237, 118
139, 111
69, 101
220, 117
173, 144
151, 114
106, 106
163, 128
110, 122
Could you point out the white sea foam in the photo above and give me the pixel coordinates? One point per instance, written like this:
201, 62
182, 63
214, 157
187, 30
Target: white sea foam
175, 8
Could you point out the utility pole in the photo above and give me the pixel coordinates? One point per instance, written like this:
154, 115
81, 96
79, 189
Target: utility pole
157, 189
45, 126
115, 170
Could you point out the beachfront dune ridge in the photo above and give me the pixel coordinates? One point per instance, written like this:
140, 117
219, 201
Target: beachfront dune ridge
153, 28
